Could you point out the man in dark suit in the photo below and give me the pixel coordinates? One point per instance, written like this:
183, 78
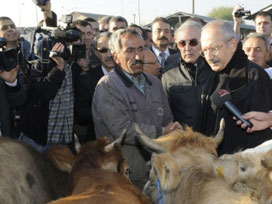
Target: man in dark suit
85, 83
161, 37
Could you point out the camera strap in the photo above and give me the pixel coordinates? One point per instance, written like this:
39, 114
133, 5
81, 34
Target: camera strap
39, 61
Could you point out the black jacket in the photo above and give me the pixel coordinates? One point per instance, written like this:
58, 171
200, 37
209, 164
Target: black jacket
43, 87
184, 85
250, 89
84, 84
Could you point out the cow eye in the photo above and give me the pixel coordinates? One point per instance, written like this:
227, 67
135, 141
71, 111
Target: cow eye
243, 168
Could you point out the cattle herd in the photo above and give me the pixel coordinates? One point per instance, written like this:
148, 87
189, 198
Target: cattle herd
185, 169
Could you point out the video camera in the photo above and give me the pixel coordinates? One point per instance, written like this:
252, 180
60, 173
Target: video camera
40, 2
63, 34
242, 12
8, 58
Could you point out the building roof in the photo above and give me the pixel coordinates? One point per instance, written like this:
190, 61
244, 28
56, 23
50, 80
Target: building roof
81, 15
180, 17
268, 9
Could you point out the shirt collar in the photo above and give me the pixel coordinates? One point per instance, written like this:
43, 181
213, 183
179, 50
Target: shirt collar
157, 52
134, 80
105, 71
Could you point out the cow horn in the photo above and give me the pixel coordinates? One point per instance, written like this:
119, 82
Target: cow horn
119, 140
220, 134
146, 141
77, 144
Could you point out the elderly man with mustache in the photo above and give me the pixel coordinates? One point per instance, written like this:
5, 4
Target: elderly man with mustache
127, 97
247, 82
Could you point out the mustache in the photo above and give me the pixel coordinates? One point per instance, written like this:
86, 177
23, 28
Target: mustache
214, 61
137, 62
109, 59
163, 38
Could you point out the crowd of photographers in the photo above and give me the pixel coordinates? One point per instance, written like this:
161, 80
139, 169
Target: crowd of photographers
49, 77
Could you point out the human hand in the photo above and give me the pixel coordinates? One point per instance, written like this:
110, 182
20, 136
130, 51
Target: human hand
11, 75
46, 7
260, 121
83, 63
172, 126
58, 48
237, 19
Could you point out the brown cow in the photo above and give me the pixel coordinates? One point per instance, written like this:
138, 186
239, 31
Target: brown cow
27, 176
98, 175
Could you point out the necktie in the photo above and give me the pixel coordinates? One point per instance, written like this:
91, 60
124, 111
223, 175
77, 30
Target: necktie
162, 55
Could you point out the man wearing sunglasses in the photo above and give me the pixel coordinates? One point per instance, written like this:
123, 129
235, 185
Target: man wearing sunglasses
184, 82
247, 82
85, 83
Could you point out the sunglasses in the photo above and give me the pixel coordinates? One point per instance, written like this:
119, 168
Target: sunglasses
103, 50
192, 43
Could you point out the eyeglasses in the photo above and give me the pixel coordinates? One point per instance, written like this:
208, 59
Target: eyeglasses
103, 50
105, 30
213, 50
192, 43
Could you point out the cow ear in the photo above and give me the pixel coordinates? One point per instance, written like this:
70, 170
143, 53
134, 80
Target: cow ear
62, 157
267, 160
167, 171
119, 140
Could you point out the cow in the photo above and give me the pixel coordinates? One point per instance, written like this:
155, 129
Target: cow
99, 175
28, 176
257, 178
185, 167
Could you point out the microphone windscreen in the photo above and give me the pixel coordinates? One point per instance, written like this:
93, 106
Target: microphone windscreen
220, 97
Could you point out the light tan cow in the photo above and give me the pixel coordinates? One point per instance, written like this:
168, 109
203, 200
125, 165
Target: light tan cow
187, 167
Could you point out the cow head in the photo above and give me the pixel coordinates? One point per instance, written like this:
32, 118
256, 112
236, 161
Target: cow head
99, 154
174, 152
255, 173
181, 139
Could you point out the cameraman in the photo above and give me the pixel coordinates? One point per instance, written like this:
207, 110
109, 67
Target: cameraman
48, 116
12, 79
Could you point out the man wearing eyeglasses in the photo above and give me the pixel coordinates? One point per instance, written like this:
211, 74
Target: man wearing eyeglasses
184, 83
151, 63
248, 84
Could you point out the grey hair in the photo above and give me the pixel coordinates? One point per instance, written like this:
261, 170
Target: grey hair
225, 27
115, 39
188, 24
260, 36
103, 34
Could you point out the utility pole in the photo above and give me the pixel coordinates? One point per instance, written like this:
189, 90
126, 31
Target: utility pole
134, 18
193, 6
139, 12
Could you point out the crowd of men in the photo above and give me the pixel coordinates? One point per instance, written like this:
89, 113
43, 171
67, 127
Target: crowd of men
133, 76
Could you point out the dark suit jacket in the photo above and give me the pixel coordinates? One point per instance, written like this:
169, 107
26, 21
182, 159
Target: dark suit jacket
85, 83
169, 63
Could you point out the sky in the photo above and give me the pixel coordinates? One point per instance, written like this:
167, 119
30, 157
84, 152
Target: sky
25, 13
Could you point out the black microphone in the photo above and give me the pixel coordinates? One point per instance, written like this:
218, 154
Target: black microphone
222, 98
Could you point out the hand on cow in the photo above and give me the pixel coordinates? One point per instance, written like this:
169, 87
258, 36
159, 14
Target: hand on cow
172, 126
260, 121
